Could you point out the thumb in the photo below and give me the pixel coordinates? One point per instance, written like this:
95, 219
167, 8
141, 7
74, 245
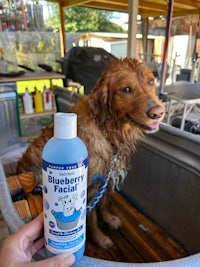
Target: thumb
61, 260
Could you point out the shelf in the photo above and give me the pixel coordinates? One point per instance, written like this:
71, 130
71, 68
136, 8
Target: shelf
31, 124
37, 114
33, 76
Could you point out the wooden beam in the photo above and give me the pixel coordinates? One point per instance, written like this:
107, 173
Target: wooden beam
132, 27
146, 8
71, 3
185, 13
107, 7
105, 2
188, 3
62, 31
111, 5
153, 6
114, 2
167, 35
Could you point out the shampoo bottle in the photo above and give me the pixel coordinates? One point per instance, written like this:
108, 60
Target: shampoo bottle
64, 172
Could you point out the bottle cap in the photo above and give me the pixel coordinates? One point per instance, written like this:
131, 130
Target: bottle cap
65, 125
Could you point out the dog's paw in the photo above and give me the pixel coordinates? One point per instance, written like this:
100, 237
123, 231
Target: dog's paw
114, 222
105, 242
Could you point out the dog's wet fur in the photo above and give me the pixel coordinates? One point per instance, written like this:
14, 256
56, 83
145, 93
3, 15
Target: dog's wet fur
121, 108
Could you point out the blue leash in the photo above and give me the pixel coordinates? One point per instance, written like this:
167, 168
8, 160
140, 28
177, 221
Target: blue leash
99, 194
104, 183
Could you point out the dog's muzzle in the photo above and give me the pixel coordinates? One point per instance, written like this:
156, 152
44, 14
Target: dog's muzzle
151, 127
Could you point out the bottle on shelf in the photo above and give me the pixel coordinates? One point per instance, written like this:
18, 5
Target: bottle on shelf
28, 102
3, 63
47, 98
37, 98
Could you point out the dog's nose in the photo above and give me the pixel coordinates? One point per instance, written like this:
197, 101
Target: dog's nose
156, 112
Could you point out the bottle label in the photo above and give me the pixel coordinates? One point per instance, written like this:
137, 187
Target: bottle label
64, 201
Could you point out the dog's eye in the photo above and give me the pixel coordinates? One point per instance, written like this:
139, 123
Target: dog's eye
150, 81
126, 90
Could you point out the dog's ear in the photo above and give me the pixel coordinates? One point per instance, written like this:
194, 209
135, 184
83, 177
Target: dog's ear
98, 100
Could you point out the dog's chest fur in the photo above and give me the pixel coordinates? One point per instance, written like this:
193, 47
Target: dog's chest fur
104, 158
109, 149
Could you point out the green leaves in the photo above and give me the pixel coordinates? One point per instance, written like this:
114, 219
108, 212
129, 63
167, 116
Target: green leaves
83, 19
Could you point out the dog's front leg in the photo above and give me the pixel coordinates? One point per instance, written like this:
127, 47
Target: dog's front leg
95, 232
113, 221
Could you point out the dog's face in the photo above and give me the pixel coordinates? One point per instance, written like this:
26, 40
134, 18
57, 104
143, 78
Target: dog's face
67, 204
126, 93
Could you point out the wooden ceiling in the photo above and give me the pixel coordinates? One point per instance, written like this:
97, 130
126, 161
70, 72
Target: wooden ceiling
147, 8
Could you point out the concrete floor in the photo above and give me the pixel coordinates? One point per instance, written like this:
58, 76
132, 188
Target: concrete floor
4, 232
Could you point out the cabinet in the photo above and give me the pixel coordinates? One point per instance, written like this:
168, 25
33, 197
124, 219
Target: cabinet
8, 115
31, 124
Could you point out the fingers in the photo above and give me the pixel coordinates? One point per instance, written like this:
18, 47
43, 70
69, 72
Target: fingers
33, 229
26, 236
38, 244
61, 260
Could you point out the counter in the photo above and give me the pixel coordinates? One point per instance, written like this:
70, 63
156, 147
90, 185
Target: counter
33, 76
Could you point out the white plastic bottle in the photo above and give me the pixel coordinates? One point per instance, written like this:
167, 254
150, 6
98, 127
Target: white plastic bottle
64, 171
47, 99
27, 102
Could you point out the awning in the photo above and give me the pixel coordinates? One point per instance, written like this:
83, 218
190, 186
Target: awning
146, 8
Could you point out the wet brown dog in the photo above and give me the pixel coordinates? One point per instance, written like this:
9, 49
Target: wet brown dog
122, 106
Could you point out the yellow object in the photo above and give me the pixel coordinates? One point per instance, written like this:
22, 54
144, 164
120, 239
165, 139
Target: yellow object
1, 52
76, 90
21, 85
3, 62
38, 101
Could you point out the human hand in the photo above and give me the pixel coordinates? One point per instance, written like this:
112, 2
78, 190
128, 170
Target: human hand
18, 249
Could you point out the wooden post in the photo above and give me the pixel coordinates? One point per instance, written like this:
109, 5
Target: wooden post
62, 31
167, 35
24, 20
145, 28
132, 27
